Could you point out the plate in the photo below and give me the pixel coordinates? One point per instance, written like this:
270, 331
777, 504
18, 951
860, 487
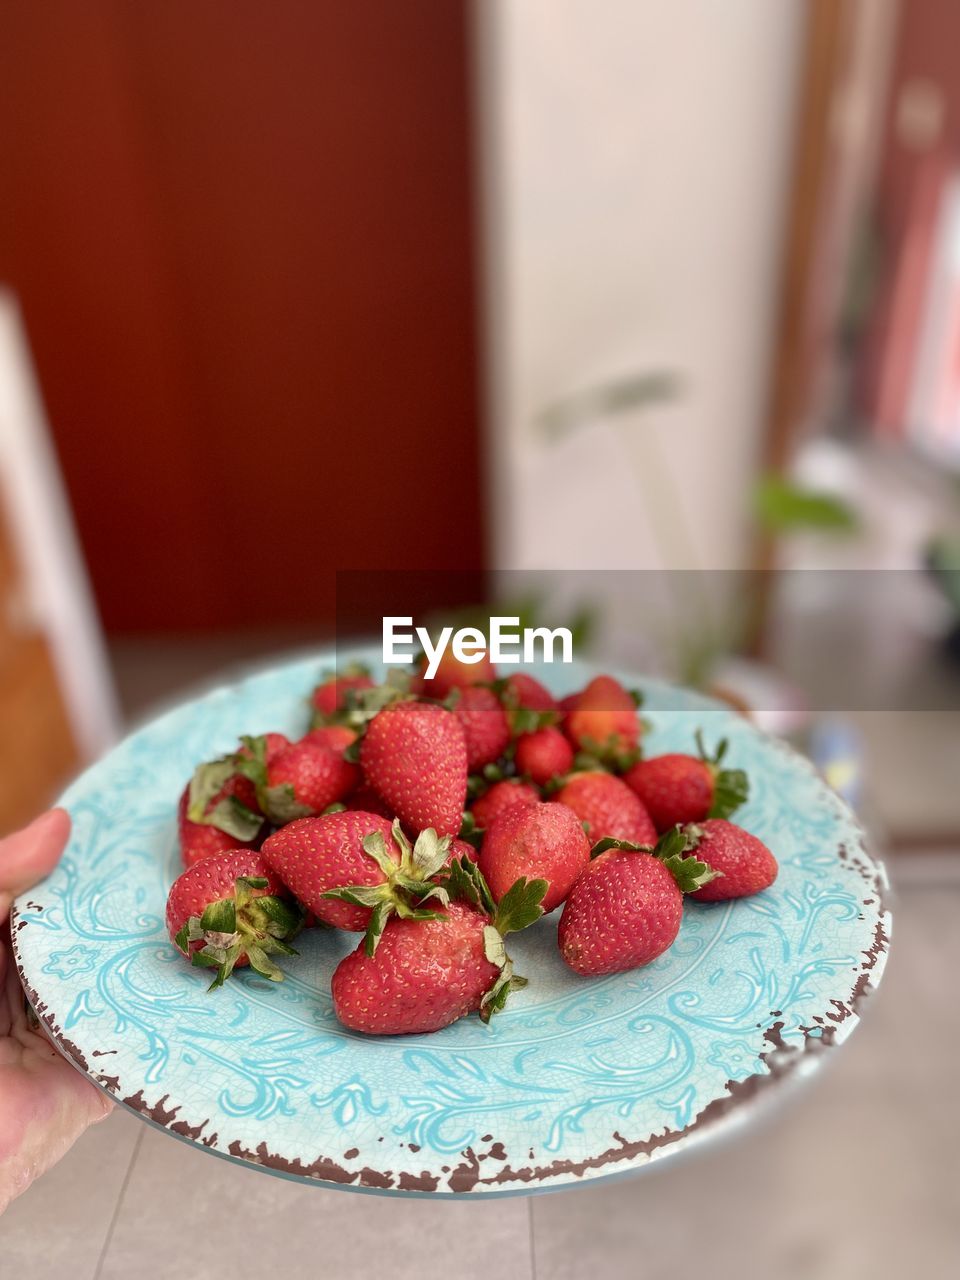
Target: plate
575, 1081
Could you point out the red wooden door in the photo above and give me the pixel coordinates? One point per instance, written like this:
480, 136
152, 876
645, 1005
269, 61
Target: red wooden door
241, 236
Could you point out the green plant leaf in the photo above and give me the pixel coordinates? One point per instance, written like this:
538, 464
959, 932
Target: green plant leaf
783, 507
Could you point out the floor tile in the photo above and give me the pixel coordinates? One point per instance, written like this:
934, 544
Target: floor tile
858, 1176
182, 1208
59, 1225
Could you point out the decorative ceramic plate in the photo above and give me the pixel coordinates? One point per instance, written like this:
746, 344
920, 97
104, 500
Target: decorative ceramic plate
575, 1081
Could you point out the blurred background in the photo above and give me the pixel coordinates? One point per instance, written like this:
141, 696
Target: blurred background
648, 312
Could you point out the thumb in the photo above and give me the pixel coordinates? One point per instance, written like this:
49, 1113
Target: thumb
29, 855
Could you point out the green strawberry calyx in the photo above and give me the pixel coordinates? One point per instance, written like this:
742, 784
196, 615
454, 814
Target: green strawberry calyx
228, 813
610, 756
407, 885
278, 802
361, 705
674, 850
244, 924
731, 787
519, 907
521, 719
352, 671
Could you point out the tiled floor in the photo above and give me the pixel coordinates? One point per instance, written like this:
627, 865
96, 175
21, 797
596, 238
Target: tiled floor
858, 1177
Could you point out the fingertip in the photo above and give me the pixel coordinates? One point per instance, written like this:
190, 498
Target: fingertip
28, 855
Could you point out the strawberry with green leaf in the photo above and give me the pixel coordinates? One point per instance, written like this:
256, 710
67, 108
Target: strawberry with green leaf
356, 870
745, 864
426, 974
298, 780
678, 788
626, 906
603, 722
330, 696
229, 911
541, 841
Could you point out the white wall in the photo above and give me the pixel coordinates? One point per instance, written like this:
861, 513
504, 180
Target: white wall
636, 156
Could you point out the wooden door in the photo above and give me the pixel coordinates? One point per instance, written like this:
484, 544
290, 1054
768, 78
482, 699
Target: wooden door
241, 235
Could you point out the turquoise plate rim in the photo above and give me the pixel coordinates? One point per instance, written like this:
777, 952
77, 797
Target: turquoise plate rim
786, 1058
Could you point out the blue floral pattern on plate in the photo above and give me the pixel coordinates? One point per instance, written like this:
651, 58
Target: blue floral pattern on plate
575, 1081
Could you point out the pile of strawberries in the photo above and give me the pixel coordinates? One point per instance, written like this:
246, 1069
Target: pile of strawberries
435, 817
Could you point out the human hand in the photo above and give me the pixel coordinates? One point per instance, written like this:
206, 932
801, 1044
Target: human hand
45, 1103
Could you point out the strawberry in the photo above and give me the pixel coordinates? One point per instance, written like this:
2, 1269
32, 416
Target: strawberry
366, 800
744, 864
543, 755
217, 811
625, 908
230, 910
460, 849
355, 870
541, 840
204, 839
522, 690
426, 974
335, 736
414, 755
607, 806
451, 673
678, 788
330, 697
603, 721
501, 796
298, 780
484, 724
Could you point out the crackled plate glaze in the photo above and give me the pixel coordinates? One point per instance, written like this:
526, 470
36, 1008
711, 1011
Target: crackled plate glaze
577, 1080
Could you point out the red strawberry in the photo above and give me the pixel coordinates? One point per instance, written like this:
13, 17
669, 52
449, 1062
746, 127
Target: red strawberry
678, 789
608, 807
626, 906
426, 974
484, 723
501, 796
604, 720
414, 755
218, 811
451, 673
330, 697
543, 755
315, 855
335, 736
366, 800
460, 849
522, 690
300, 779
354, 870
744, 864
273, 744
228, 911
200, 839
543, 840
